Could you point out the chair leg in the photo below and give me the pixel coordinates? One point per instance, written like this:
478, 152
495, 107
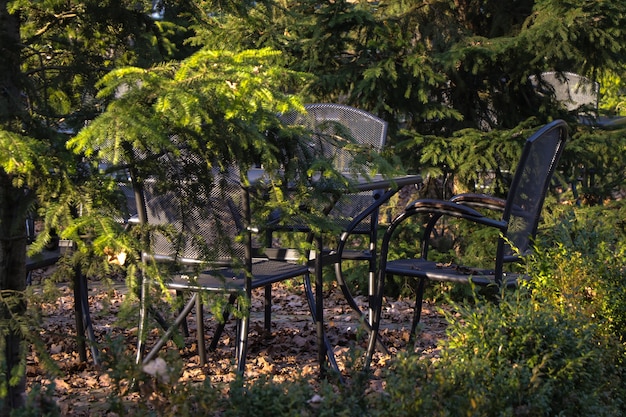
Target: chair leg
78, 316
376, 317
310, 297
417, 311
220, 326
323, 351
268, 308
86, 317
143, 317
242, 343
170, 331
367, 319
200, 329
183, 327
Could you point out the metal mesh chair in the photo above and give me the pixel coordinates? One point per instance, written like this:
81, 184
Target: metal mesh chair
49, 257
333, 126
198, 224
578, 94
328, 121
517, 226
574, 91
355, 213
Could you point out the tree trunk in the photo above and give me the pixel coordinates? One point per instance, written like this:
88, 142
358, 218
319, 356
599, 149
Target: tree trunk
14, 202
12, 284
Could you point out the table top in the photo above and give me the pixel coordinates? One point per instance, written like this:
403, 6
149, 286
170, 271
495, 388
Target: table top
379, 182
376, 182
42, 259
610, 121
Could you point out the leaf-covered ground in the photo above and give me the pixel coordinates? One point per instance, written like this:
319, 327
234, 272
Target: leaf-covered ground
290, 349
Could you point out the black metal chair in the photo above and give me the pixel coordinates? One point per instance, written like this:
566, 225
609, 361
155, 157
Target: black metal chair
49, 257
198, 225
517, 226
354, 213
581, 95
327, 121
335, 124
574, 91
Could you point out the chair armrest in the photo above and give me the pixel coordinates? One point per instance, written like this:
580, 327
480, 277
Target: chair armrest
445, 207
392, 183
439, 208
487, 202
480, 201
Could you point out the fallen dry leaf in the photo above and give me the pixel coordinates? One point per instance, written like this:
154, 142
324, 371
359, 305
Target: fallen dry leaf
288, 351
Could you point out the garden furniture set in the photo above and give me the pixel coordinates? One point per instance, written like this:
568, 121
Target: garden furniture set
200, 235
243, 265
221, 212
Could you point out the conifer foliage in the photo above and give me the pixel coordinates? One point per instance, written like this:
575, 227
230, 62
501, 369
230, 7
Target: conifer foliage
53, 52
450, 76
434, 66
448, 70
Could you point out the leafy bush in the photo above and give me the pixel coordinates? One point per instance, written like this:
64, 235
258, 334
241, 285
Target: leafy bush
268, 399
581, 263
555, 347
612, 99
298, 398
594, 163
39, 403
520, 356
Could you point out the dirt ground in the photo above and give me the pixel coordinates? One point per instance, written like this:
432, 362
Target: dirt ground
290, 349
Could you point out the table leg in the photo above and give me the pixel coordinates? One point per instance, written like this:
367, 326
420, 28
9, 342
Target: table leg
84, 325
319, 308
78, 316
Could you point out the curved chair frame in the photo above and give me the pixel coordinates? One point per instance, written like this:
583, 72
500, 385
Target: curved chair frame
517, 226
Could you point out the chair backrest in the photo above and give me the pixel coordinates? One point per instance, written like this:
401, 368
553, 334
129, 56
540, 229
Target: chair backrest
194, 218
572, 90
331, 121
530, 184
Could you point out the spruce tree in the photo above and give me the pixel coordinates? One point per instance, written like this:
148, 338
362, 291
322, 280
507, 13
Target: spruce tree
53, 52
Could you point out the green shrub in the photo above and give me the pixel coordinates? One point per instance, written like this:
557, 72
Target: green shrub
555, 347
517, 357
265, 398
579, 264
39, 403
